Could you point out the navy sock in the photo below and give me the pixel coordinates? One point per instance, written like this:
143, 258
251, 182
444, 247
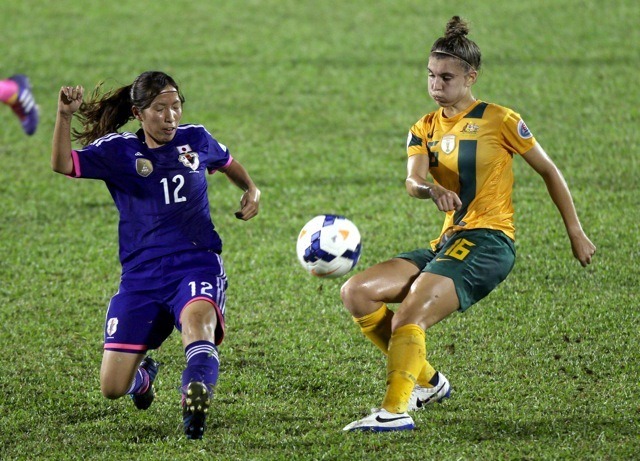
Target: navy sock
202, 364
140, 382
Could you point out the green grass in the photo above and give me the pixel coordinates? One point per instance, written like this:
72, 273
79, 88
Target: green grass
315, 99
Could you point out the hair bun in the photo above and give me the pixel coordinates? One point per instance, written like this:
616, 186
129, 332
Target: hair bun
456, 27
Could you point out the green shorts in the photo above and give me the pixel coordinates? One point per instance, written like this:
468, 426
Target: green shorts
477, 260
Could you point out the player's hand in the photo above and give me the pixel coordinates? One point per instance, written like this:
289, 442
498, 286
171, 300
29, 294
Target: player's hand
583, 249
70, 99
445, 199
249, 205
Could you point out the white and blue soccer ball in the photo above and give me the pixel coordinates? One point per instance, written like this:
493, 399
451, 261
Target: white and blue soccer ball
329, 246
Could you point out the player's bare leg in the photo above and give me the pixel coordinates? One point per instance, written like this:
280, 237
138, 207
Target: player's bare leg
432, 297
387, 282
117, 372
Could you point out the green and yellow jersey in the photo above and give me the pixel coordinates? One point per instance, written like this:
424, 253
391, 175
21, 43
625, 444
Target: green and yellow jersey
472, 154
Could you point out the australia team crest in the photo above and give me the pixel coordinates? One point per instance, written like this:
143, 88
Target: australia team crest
188, 158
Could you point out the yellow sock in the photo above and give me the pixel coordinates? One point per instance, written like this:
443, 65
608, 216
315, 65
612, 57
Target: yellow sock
426, 374
377, 327
407, 352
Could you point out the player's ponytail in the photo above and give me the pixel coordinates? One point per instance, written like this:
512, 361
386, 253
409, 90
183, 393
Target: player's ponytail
103, 114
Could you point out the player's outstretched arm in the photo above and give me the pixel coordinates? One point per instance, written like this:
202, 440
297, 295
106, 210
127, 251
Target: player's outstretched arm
250, 201
583, 249
69, 101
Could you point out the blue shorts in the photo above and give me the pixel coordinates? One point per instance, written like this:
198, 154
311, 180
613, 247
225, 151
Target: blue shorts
151, 297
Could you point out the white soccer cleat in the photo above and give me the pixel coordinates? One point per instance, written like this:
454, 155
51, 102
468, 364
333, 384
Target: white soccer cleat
423, 396
380, 420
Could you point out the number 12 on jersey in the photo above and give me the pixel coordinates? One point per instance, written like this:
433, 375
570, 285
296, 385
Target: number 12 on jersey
178, 180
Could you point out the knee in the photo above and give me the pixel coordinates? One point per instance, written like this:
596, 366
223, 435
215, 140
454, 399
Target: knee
111, 395
353, 294
199, 322
113, 391
347, 292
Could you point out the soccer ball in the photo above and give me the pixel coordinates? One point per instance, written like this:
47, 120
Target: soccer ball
329, 246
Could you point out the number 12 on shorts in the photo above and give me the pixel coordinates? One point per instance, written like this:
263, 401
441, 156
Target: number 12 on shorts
205, 289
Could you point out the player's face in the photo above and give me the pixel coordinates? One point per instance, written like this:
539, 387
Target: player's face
449, 82
160, 120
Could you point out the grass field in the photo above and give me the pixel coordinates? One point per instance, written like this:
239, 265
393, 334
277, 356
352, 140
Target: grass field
315, 98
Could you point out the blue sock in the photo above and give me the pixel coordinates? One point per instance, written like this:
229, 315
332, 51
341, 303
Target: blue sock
140, 382
202, 364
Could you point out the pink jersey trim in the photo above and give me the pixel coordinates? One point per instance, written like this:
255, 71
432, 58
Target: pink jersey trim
225, 165
220, 328
129, 347
76, 165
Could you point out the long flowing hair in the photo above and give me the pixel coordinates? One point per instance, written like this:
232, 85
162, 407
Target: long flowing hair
106, 112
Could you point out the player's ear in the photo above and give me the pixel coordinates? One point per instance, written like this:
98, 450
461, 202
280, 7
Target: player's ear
136, 113
472, 77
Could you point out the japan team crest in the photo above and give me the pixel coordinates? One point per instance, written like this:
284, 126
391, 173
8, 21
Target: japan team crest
448, 143
112, 326
188, 158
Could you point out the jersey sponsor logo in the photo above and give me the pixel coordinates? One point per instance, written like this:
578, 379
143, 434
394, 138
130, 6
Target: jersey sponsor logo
188, 158
448, 143
523, 131
470, 128
144, 167
112, 326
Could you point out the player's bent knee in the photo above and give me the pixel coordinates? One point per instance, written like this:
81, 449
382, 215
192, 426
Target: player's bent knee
354, 294
348, 292
198, 312
113, 392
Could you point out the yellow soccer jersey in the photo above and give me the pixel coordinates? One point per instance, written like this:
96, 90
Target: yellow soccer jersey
472, 154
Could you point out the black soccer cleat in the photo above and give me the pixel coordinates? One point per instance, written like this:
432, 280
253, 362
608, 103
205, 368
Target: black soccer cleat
144, 401
195, 405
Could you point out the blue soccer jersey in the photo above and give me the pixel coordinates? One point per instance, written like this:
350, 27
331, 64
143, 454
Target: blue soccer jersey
161, 193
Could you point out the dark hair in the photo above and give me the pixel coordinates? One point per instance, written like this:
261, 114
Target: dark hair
104, 114
455, 43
